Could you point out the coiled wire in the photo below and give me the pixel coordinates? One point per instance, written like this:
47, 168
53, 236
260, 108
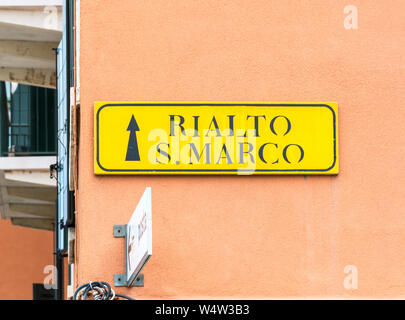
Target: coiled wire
97, 290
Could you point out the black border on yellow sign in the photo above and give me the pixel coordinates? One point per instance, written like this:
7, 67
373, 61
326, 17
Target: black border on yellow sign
214, 105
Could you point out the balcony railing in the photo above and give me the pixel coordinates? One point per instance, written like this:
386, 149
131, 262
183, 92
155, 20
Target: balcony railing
27, 120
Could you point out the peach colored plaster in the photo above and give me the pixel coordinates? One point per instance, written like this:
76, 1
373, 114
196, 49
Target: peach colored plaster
261, 236
24, 255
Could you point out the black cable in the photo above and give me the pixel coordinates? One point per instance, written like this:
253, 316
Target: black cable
97, 290
124, 296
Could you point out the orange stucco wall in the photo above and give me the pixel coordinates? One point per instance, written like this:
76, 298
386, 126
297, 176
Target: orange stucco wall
252, 236
24, 254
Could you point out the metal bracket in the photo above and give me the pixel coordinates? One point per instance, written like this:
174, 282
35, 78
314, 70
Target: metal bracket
120, 230
56, 167
120, 280
61, 224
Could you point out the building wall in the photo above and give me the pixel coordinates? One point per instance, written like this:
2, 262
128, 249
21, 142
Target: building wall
25, 253
251, 236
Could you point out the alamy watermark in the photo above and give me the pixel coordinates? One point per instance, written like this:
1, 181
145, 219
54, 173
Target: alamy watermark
351, 280
351, 20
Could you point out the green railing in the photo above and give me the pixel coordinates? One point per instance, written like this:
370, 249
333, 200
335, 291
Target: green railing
3, 118
28, 121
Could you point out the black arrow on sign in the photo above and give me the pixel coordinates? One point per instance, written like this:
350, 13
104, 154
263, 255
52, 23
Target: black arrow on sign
132, 151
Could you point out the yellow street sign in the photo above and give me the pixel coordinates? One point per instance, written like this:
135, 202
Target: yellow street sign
215, 138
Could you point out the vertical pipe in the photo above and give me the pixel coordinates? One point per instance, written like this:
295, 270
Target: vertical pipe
56, 223
58, 255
